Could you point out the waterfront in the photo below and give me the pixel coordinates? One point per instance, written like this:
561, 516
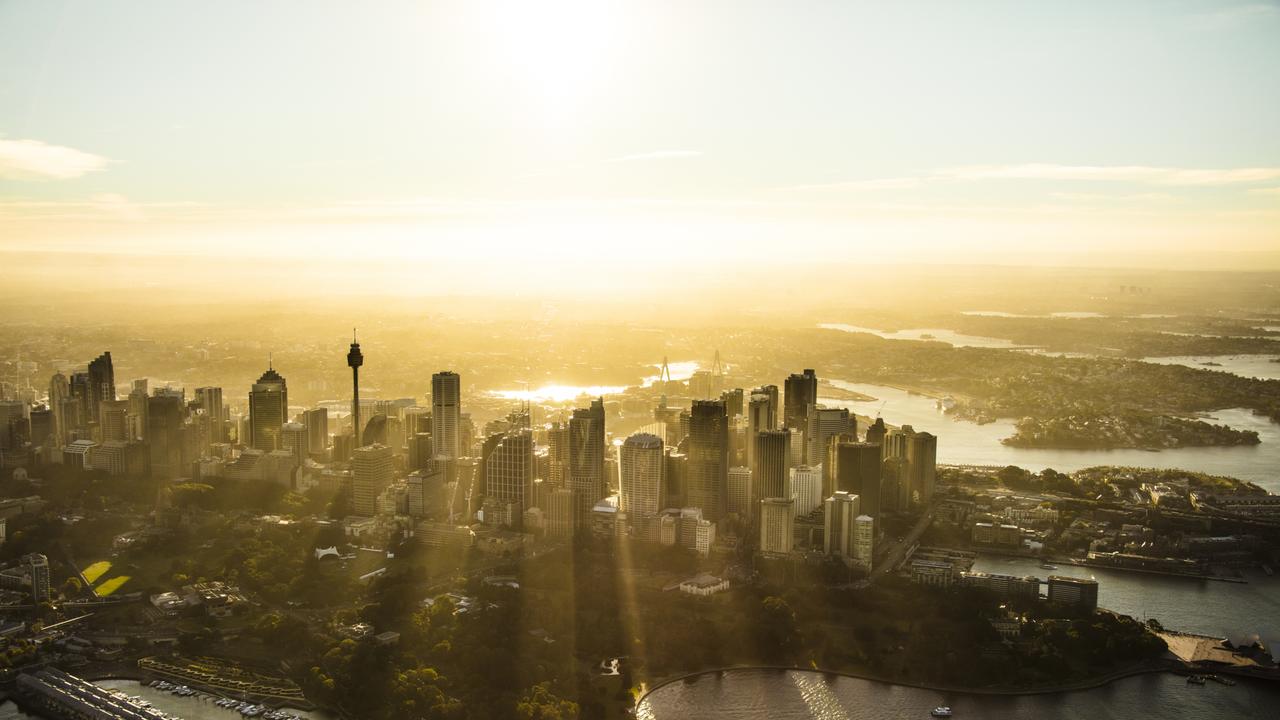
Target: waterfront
1250, 366
942, 335
1237, 611
961, 442
195, 707
774, 694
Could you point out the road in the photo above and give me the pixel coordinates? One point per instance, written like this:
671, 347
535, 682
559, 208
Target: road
898, 551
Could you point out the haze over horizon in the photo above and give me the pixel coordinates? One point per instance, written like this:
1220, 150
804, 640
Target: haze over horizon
539, 144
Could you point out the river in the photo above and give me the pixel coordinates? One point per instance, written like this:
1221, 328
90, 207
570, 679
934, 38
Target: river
783, 694
962, 442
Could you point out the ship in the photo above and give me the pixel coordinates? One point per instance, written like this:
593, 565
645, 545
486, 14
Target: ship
1048, 566
942, 711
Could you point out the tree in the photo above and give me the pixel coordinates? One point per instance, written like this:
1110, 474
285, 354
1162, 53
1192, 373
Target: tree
539, 703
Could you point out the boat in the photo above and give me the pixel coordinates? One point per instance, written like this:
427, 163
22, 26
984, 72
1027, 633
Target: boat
941, 711
1221, 680
1048, 566
1195, 679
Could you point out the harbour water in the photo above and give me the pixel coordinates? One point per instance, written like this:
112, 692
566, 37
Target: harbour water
1250, 366
786, 694
194, 707
962, 442
950, 337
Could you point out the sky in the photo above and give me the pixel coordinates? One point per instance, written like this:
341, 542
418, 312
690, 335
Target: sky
556, 138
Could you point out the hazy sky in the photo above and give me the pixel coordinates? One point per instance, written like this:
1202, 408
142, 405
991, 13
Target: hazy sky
529, 135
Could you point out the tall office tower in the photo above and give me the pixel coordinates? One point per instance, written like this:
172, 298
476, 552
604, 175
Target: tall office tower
700, 385
761, 416
772, 471
839, 533
876, 432
164, 435
113, 420
138, 409
740, 494
421, 452
268, 410
81, 393
642, 465
41, 427
922, 464
317, 422
370, 475
59, 394
293, 437
823, 424
806, 488
558, 455
560, 512
509, 472
895, 491
413, 420
102, 382
210, 400
777, 526
38, 568
864, 539
738, 440
586, 459
800, 391
355, 359
895, 443
446, 414
734, 402
677, 485
857, 471
708, 451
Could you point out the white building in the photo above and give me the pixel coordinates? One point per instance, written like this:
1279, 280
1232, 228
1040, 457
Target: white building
838, 530
806, 488
777, 526
740, 491
864, 538
641, 467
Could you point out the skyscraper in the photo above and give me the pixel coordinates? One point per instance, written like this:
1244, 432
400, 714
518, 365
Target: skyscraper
922, 462
509, 472
268, 410
856, 469
777, 526
708, 452
446, 414
317, 422
210, 399
821, 425
772, 470
864, 538
761, 416
355, 359
586, 459
740, 493
370, 475
839, 532
876, 432
806, 488
799, 392
102, 382
59, 394
164, 435
641, 463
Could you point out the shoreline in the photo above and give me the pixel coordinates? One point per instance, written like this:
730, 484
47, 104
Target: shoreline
1161, 666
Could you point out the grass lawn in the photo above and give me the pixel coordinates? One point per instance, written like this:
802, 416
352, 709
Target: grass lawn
112, 585
96, 570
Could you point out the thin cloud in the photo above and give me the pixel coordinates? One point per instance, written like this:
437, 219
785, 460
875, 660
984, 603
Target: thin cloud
894, 183
1186, 177
35, 160
1265, 191
657, 155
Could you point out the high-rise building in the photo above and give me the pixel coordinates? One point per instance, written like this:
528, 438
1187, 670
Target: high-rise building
317, 422
509, 472
677, 479
268, 410
777, 526
740, 500
876, 432
799, 392
895, 491
293, 437
422, 452
772, 470
560, 512
734, 401
823, 424
355, 359
1081, 592
558, 455
102, 382
922, 466
59, 394
586, 459
761, 416
708, 463
113, 420
164, 436
641, 463
209, 399
446, 414
856, 469
839, 531
370, 475
38, 567
806, 488
864, 538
